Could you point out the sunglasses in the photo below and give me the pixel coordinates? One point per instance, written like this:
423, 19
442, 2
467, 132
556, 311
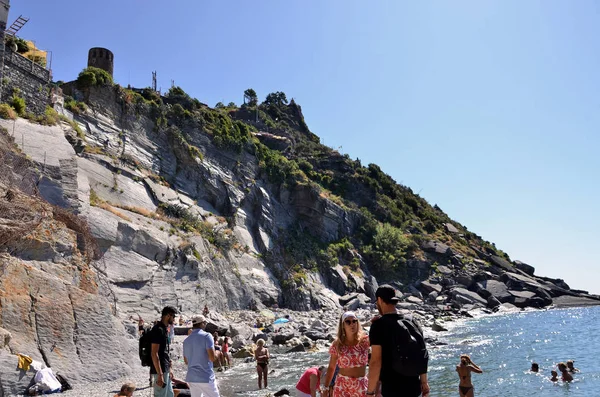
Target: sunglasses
350, 322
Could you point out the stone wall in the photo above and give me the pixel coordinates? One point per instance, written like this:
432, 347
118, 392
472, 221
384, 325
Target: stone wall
31, 79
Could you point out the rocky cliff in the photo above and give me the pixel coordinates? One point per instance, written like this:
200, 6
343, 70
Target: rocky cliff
136, 200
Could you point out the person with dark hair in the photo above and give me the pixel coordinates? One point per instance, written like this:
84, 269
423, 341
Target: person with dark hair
566, 376
535, 367
310, 382
383, 337
199, 355
126, 390
464, 369
554, 377
161, 362
571, 366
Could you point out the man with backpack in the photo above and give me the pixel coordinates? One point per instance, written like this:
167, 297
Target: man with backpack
159, 353
398, 353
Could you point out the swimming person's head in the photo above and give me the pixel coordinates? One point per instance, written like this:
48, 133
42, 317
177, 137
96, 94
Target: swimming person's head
554, 373
570, 364
535, 367
561, 367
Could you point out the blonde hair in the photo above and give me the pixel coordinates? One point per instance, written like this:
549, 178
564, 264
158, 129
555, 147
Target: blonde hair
260, 342
341, 332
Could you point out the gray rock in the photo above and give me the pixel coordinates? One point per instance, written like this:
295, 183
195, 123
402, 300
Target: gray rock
451, 228
5, 337
414, 300
353, 304
493, 302
498, 290
316, 335
435, 247
428, 286
524, 267
347, 298
281, 337
501, 262
462, 296
437, 327
432, 296
297, 348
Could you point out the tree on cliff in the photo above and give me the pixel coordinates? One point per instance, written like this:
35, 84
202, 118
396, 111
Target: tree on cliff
251, 97
276, 99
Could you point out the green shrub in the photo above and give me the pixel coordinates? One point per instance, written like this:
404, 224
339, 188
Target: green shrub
7, 112
388, 249
75, 106
22, 46
18, 104
91, 77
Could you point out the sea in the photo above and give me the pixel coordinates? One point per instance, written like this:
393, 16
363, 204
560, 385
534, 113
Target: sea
503, 345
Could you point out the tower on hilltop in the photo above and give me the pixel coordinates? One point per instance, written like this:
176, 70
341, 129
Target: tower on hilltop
101, 58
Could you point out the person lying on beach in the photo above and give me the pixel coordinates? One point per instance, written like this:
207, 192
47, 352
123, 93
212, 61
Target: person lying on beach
464, 369
566, 376
180, 387
126, 390
554, 377
572, 369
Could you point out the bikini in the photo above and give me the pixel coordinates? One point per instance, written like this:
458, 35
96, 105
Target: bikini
351, 357
464, 389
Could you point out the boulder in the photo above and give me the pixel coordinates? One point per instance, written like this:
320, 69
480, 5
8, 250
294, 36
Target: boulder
432, 296
492, 302
338, 280
435, 247
414, 300
524, 267
280, 338
353, 304
316, 335
428, 286
318, 325
437, 327
501, 262
298, 348
451, 228
244, 352
464, 296
241, 331
445, 270
347, 298
464, 279
498, 290
216, 323
260, 335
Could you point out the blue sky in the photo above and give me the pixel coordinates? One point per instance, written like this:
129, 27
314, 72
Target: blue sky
488, 108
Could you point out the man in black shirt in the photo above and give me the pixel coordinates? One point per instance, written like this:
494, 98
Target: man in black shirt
161, 362
382, 340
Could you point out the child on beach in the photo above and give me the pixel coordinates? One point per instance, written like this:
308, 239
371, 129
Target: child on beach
464, 369
126, 390
566, 376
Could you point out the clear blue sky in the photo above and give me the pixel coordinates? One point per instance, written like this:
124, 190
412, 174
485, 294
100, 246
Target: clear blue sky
491, 109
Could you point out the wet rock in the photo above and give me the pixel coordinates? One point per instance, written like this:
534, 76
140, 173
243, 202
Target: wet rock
498, 290
437, 327
245, 352
316, 335
297, 348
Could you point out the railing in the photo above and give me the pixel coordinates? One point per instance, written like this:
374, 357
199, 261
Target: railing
27, 64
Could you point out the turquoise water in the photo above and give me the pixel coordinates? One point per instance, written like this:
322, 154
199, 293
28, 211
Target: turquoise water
503, 346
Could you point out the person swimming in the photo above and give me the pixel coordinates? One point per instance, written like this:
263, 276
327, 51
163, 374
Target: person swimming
535, 367
570, 366
554, 377
566, 376
464, 369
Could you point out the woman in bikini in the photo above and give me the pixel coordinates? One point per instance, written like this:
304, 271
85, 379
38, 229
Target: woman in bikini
261, 354
464, 369
350, 352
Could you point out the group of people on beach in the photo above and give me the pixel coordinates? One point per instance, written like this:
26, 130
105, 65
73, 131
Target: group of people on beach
567, 370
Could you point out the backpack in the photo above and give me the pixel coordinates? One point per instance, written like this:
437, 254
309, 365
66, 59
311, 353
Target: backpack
409, 354
145, 348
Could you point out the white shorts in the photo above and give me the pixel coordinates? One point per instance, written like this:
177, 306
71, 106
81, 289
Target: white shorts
209, 389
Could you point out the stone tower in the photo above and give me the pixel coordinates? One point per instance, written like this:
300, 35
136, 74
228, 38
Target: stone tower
101, 58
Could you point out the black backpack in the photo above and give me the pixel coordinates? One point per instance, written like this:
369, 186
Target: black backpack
409, 354
145, 348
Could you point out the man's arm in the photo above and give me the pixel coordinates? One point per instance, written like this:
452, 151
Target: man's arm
424, 385
210, 348
314, 385
374, 368
330, 370
156, 363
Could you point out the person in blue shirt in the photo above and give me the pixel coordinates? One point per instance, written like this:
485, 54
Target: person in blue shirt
199, 355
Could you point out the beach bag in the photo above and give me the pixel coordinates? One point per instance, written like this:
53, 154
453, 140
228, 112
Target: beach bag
409, 353
145, 348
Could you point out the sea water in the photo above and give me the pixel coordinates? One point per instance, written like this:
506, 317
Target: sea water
504, 346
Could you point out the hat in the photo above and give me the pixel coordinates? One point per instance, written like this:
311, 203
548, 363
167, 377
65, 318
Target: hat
387, 293
198, 319
348, 314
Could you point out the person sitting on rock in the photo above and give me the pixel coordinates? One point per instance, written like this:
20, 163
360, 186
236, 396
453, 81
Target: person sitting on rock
535, 367
126, 390
554, 377
566, 376
261, 354
205, 311
570, 365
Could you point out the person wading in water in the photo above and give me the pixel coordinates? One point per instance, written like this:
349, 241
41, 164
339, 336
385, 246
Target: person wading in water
349, 351
464, 369
262, 362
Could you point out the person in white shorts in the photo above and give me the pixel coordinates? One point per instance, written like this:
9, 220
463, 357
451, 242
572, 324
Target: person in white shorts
199, 355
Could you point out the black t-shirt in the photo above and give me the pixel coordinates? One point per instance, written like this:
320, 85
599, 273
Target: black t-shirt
160, 337
392, 383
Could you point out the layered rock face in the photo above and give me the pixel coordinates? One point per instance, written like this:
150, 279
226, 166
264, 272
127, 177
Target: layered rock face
177, 220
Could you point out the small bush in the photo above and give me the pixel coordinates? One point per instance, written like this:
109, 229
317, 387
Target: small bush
7, 112
91, 76
75, 106
18, 104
